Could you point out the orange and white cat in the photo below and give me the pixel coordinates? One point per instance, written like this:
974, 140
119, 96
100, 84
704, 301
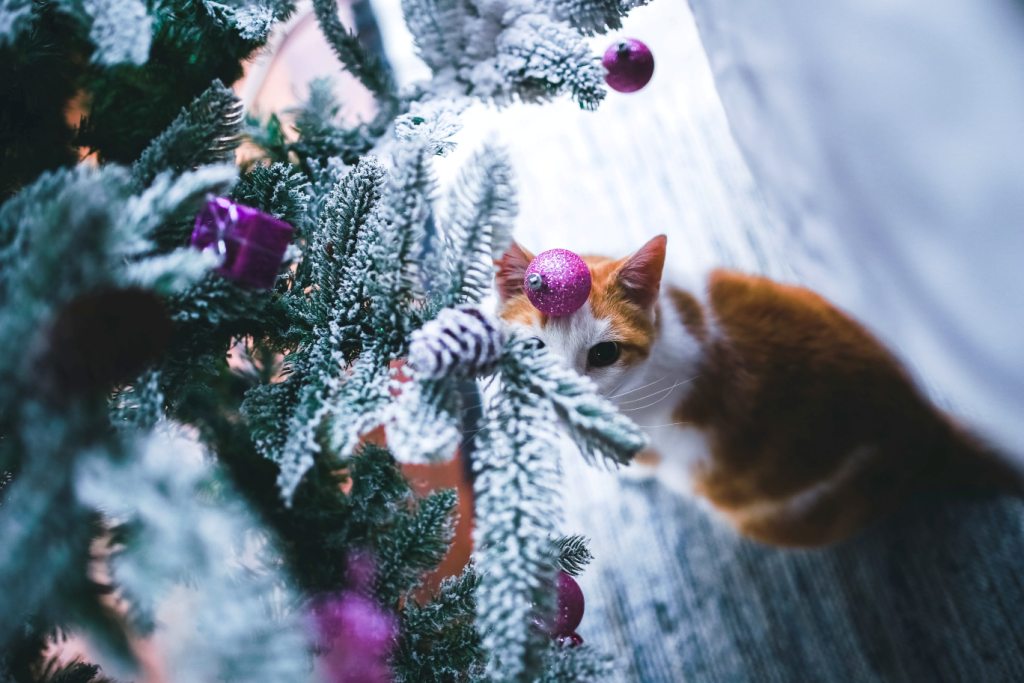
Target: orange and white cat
788, 416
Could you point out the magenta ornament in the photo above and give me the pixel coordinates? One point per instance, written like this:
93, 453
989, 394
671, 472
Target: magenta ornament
568, 614
629, 64
250, 243
359, 637
557, 282
570, 606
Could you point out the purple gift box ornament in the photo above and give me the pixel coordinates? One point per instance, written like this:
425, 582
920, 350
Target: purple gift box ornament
250, 243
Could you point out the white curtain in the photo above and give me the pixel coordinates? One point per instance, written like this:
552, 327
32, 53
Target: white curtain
888, 135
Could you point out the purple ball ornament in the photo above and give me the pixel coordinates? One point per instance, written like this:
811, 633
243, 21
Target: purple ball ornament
557, 282
570, 606
569, 613
250, 243
629, 65
359, 638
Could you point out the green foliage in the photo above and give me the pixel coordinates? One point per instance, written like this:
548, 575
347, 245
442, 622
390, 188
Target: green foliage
414, 545
320, 135
368, 69
543, 59
515, 493
120, 30
600, 431
438, 641
482, 209
178, 523
581, 664
257, 506
342, 259
595, 16
516, 486
573, 554
278, 189
205, 132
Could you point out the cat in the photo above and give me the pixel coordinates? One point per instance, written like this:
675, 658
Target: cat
796, 424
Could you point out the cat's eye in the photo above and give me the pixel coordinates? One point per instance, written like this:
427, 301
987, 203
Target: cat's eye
538, 341
603, 354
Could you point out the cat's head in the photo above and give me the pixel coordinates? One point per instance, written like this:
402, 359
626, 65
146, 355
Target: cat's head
612, 334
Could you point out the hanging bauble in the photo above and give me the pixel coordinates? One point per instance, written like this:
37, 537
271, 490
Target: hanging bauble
570, 605
629, 64
358, 638
251, 243
569, 612
557, 282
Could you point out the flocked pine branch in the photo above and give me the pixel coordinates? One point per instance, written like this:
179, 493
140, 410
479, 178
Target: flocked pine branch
505, 50
590, 17
405, 211
205, 132
437, 640
279, 190
173, 533
515, 493
481, 213
120, 30
541, 59
321, 136
424, 422
573, 554
250, 21
411, 550
601, 432
517, 476
15, 18
340, 263
368, 69
580, 664
437, 28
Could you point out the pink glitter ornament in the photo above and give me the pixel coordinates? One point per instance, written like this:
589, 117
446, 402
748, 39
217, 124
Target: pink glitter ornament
557, 282
629, 63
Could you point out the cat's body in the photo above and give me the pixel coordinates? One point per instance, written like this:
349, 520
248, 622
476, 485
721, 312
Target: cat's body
785, 414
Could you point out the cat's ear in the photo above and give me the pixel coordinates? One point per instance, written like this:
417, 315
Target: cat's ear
511, 271
640, 274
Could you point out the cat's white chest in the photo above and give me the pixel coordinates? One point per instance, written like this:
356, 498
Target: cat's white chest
678, 449
652, 399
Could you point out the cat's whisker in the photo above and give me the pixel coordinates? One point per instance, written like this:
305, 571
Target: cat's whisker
667, 424
666, 393
631, 391
646, 397
653, 403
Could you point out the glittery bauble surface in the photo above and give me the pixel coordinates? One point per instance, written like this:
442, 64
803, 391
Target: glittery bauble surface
629, 64
570, 606
565, 282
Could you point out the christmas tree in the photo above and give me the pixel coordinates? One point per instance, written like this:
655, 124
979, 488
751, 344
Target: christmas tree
185, 402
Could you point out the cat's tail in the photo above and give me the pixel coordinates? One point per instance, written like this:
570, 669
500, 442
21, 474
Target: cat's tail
969, 466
